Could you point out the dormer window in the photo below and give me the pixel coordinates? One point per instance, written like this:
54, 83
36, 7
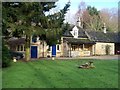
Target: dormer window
74, 32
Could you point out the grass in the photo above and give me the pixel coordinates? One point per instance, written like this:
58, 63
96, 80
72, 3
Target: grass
61, 74
0, 78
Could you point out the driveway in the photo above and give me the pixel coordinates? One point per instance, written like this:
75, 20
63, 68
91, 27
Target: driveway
112, 57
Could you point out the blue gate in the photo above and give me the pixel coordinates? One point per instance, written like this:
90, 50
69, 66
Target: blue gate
53, 50
33, 51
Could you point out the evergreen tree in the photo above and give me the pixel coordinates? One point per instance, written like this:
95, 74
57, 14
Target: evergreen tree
6, 59
27, 19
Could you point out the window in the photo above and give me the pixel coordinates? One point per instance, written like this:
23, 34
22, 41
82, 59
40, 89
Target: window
58, 48
48, 48
20, 48
80, 47
34, 40
73, 47
75, 32
23, 47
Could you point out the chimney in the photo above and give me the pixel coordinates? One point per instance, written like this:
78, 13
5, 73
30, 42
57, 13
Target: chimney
79, 23
104, 28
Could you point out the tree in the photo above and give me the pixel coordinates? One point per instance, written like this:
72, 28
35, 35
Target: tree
93, 19
52, 34
6, 59
27, 19
110, 18
90, 17
21, 19
81, 9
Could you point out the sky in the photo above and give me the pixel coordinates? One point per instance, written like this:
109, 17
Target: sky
99, 4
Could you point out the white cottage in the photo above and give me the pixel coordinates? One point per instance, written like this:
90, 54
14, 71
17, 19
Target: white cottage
75, 42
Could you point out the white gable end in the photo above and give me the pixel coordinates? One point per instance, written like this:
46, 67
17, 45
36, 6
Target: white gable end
74, 32
75, 28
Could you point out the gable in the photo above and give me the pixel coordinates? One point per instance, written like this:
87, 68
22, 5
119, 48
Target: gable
74, 32
81, 32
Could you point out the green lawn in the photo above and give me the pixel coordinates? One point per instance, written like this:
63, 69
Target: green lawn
61, 74
0, 79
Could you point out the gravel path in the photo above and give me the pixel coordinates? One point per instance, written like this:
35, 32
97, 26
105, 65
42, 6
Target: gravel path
113, 57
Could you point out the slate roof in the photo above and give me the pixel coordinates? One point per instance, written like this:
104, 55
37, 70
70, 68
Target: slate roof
94, 36
81, 33
91, 37
16, 41
99, 36
79, 41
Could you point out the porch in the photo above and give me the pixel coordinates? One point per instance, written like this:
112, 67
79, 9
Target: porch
79, 47
80, 50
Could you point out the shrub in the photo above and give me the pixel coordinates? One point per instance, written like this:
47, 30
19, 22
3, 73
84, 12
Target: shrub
108, 49
6, 59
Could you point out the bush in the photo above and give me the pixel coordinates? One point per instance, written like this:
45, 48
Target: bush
108, 49
6, 59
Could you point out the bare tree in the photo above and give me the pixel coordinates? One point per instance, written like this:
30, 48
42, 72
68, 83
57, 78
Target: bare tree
89, 17
110, 17
81, 9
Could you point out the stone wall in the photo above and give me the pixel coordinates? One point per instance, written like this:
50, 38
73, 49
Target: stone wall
100, 48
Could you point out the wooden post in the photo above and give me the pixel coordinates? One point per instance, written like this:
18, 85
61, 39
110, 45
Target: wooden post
93, 49
43, 49
70, 50
83, 47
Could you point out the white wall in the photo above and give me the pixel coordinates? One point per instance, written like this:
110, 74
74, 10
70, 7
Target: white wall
58, 52
100, 48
